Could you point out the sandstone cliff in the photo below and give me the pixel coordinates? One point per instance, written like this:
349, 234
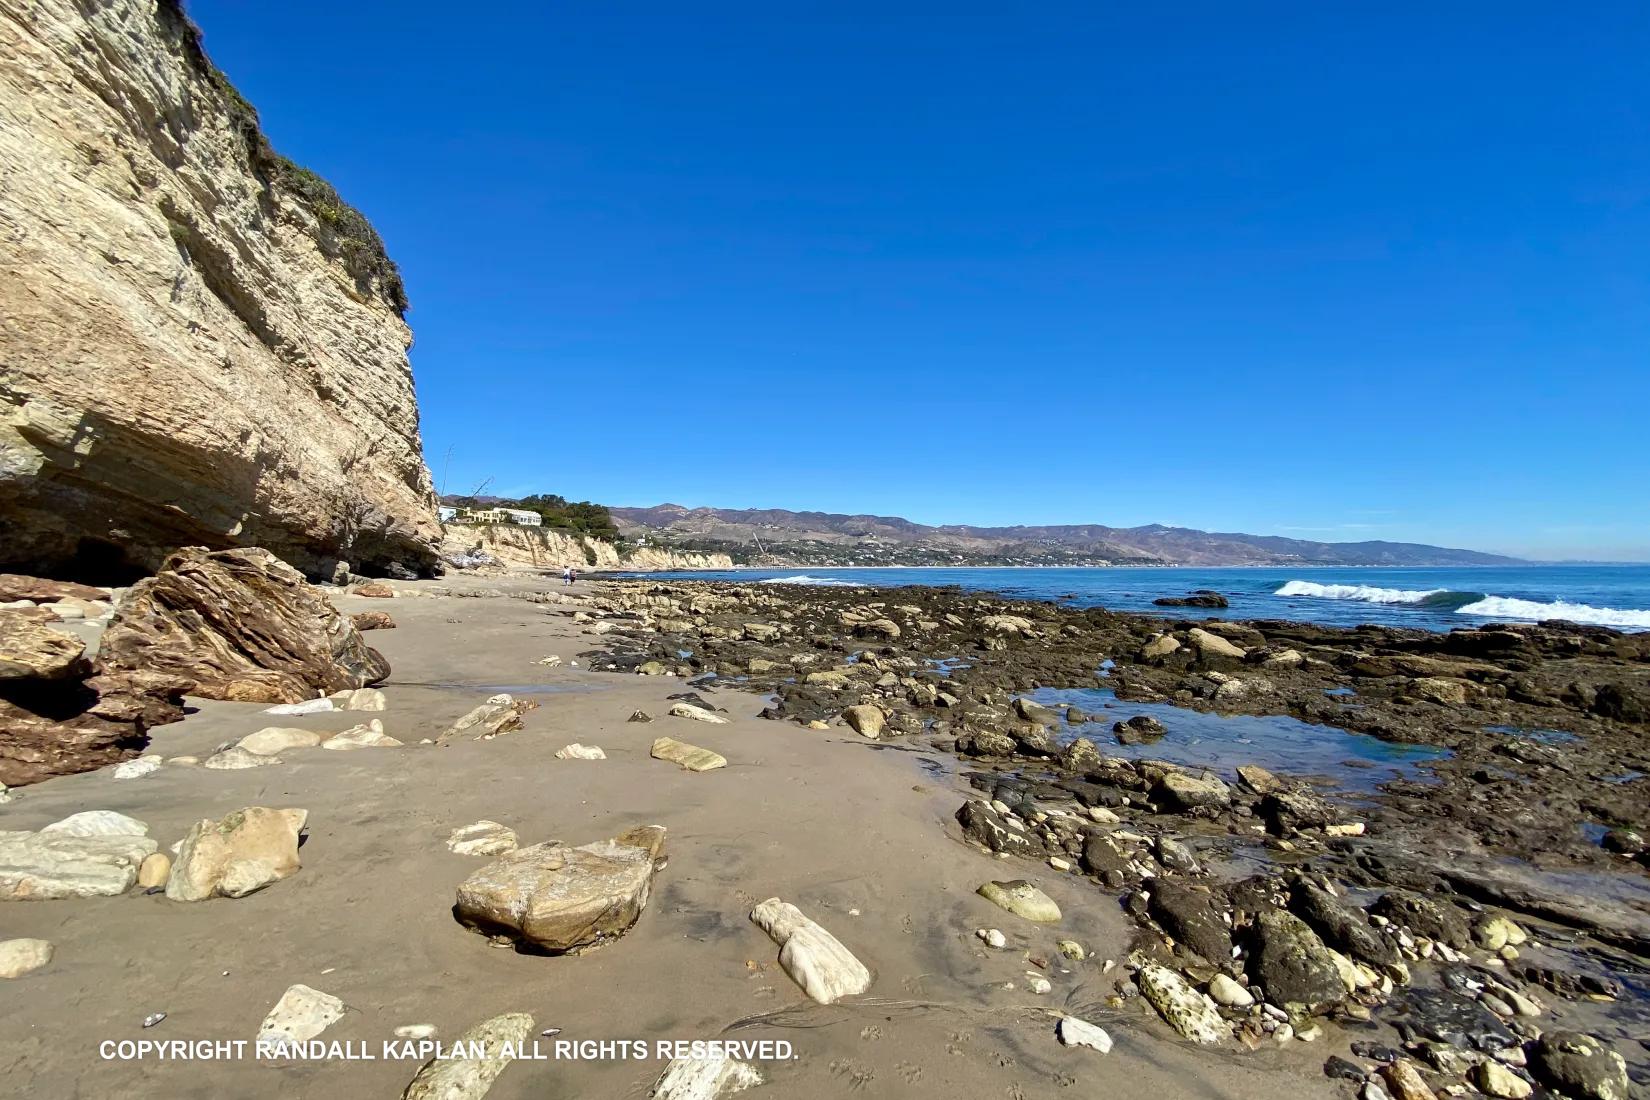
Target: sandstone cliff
200, 343
548, 548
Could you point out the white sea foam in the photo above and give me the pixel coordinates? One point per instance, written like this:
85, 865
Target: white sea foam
1365, 593
1505, 607
804, 579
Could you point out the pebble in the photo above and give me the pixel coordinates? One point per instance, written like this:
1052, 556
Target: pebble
415, 1031
1059, 864
1103, 816
1495, 1079
136, 769
1037, 983
154, 869
1229, 992
1073, 950
993, 937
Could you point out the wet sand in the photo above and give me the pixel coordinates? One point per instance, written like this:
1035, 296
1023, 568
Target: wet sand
861, 836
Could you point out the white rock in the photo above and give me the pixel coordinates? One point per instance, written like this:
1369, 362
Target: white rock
698, 714
1103, 815
500, 1038
61, 864
815, 959
276, 739
1227, 991
416, 1031
97, 823
19, 957
484, 838
235, 758
308, 706
551, 661
576, 751
369, 736
137, 769
704, 1079
1080, 1033
1037, 983
1187, 1011
993, 937
359, 699
301, 1013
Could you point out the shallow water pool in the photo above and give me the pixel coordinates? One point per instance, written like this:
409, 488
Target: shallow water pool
1353, 761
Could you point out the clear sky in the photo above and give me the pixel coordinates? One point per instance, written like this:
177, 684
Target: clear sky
1338, 271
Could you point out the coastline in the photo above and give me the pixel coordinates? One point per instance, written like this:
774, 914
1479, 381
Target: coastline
862, 833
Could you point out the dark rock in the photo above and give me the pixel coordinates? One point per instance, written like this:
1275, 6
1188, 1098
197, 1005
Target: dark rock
1343, 1070
985, 827
1447, 1017
1203, 597
1174, 855
1076, 717
1579, 1065
1034, 712
1139, 730
1291, 963
1375, 1052
396, 571
985, 743
1293, 808
31, 650
242, 625
59, 727
1425, 917
639, 716
1102, 856
1345, 929
1194, 917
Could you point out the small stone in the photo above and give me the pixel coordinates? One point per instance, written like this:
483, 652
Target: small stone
577, 751
639, 716
1072, 950
1495, 1079
136, 769
1350, 828
152, 872
308, 706
416, 1031
1406, 1082
301, 1013
1103, 815
1080, 1033
993, 937
235, 758
19, 957
1037, 983
1059, 864
1228, 992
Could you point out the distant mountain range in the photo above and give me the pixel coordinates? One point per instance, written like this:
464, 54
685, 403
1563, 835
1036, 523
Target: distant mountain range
776, 536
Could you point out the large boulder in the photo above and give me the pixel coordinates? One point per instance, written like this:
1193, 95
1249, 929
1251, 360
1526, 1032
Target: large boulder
244, 852
1292, 964
1580, 1065
63, 725
244, 626
554, 899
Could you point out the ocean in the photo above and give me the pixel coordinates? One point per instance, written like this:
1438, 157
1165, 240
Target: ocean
1430, 599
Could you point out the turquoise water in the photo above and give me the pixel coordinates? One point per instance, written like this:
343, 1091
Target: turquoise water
1431, 599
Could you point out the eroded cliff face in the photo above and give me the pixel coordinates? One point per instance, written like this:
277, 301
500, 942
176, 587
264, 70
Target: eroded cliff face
548, 548
200, 343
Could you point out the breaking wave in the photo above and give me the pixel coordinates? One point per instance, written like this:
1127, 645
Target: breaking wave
1505, 607
1430, 597
804, 579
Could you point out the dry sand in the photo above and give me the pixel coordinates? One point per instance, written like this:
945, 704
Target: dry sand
860, 836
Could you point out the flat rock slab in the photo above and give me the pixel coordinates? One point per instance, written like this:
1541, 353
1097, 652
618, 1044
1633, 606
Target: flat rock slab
470, 1078
691, 757
301, 1013
30, 650
1022, 899
484, 838
815, 959
236, 758
704, 1079
555, 899
577, 751
48, 865
246, 851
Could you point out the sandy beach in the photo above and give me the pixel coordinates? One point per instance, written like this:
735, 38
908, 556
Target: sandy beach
860, 835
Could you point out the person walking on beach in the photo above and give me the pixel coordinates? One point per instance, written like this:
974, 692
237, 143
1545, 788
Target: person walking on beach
567, 574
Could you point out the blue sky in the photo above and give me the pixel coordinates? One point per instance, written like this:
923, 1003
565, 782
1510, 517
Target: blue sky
1325, 270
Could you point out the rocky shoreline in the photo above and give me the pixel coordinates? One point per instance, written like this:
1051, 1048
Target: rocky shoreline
1266, 908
